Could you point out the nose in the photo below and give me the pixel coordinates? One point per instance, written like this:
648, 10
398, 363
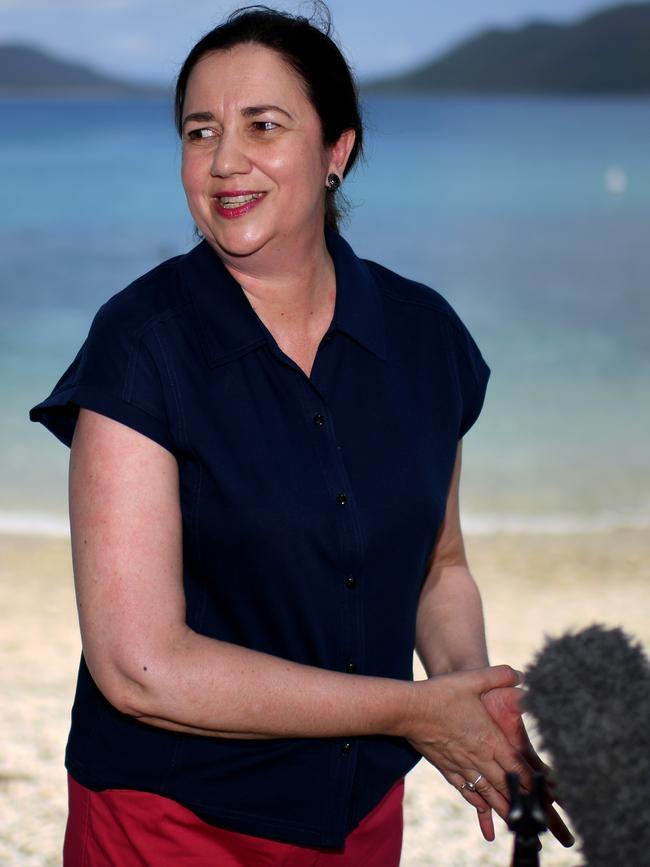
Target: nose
229, 156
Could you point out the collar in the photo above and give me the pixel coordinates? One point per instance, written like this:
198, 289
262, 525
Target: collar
229, 327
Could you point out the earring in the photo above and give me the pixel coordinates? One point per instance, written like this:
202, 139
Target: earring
333, 182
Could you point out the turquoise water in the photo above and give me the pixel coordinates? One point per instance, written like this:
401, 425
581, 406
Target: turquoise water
531, 216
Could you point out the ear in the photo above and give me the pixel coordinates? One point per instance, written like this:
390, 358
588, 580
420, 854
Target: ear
341, 152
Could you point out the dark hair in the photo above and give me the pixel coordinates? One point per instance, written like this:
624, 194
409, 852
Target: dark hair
311, 51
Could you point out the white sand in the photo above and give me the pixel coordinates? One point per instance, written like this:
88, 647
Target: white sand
531, 585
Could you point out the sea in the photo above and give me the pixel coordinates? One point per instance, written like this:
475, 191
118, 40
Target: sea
530, 215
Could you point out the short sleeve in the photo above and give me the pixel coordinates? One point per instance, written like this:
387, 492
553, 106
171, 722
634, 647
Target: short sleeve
115, 374
473, 375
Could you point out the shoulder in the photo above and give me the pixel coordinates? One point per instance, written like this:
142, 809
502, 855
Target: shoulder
415, 312
150, 299
418, 298
121, 369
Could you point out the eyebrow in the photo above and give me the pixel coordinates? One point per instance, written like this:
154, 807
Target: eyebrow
202, 116
254, 110
249, 111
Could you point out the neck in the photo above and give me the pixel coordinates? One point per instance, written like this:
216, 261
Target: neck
291, 291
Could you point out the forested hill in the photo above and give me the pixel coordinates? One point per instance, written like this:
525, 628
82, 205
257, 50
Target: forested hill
26, 70
606, 53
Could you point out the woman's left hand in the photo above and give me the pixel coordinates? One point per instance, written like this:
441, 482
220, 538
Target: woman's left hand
504, 706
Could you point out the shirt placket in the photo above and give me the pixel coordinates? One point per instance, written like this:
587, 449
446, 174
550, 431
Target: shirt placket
348, 584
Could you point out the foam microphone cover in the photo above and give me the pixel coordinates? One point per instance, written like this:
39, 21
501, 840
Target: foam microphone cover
589, 693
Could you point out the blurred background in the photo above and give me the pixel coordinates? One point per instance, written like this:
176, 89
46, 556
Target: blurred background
507, 166
519, 191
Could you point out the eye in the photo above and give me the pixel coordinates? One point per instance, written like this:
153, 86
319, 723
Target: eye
264, 125
200, 133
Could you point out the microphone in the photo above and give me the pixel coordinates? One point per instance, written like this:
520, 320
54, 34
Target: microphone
589, 693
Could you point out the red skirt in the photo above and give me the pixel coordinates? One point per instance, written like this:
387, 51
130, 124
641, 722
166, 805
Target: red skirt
126, 828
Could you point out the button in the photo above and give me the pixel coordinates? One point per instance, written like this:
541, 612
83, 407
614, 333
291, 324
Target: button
341, 499
327, 338
350, 582
319, 419
346, 747
350, 668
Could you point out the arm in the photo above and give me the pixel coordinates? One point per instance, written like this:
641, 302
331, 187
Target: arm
450, 632
450, 636
127, 556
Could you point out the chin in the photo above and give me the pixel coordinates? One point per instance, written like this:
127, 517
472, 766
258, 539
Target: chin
231, 245
238, 240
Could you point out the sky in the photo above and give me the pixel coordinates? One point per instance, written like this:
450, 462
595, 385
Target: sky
147, 40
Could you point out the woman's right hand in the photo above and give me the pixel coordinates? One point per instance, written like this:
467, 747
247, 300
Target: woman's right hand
504, 706
449, 725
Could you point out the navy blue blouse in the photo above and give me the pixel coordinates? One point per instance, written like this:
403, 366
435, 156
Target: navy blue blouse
310, 507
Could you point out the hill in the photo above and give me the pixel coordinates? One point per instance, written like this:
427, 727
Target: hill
606, 53
26, 70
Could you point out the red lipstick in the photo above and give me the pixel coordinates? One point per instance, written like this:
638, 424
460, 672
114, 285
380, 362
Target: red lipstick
235, 203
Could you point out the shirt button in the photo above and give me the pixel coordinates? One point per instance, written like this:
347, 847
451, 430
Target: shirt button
350, 668
341, 499
319, 419
346, 747
350, 582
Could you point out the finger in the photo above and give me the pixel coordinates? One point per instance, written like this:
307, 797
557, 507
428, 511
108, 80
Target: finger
505, 759
538, 765
511, 700
472, 797
486, 823
524, 771
459, 782
558, 828
486, 778
483, 811
555, 824
549, 777
485, 793
528, 750
512, 762
496, 677
534, 760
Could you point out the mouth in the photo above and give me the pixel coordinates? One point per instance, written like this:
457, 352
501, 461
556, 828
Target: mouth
236, 203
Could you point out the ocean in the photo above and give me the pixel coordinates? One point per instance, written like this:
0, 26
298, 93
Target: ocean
531, 216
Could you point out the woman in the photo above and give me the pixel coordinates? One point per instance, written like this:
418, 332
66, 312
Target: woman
265, 458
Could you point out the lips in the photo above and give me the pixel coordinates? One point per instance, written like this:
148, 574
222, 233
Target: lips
236, 203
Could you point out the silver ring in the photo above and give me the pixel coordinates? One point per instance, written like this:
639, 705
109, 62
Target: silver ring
472, 786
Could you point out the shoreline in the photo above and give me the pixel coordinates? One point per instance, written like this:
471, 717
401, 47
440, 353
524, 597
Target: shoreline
532, 585
55, 525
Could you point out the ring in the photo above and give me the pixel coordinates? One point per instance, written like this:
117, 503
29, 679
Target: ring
472, 786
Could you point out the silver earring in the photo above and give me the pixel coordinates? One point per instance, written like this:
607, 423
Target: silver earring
333, 182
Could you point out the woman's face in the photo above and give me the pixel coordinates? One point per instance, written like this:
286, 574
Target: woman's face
254, 165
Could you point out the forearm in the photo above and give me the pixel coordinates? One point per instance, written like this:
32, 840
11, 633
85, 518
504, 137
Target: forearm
450, 630
204, 686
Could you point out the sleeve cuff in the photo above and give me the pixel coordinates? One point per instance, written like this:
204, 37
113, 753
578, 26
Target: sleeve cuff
59, 413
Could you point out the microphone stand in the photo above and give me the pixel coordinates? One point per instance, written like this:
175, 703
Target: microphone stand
526, 819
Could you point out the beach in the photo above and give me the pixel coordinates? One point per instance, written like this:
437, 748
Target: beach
533, 585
